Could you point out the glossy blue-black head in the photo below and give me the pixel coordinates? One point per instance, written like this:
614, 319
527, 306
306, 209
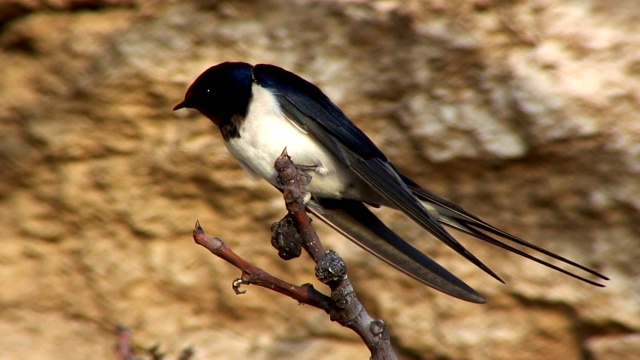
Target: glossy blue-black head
221, 92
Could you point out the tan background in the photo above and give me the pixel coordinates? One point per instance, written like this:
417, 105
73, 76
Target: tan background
525, 113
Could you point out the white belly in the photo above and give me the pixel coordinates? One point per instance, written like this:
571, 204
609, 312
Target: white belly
265, 132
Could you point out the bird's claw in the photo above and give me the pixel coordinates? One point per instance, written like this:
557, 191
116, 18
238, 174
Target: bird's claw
303, 173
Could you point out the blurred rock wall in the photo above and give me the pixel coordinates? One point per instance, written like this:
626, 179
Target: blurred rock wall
525, 112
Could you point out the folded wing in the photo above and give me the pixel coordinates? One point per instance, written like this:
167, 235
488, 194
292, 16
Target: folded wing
313, 111
354, 220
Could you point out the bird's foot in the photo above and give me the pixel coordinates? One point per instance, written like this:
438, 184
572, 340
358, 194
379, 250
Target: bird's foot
304, 176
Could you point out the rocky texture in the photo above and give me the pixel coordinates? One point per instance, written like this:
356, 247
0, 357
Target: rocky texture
524, 112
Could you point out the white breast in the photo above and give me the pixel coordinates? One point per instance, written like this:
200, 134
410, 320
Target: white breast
266, 131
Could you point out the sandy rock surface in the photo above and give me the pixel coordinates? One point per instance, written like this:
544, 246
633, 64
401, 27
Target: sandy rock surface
526, 113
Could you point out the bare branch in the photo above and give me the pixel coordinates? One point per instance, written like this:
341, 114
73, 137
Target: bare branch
345, 308
253, 275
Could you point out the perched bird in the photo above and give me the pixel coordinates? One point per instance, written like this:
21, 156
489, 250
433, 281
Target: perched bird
262, 109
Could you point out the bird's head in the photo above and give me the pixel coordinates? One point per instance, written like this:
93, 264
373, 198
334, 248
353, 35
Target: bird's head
221, 92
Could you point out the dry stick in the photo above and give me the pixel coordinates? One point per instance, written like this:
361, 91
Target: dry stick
123, 346
251, 274
343, 306
345, 309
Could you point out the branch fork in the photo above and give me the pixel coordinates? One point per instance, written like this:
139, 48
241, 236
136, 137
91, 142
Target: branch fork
343, 305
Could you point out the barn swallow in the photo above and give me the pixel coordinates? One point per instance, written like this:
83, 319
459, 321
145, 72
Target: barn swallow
262, 109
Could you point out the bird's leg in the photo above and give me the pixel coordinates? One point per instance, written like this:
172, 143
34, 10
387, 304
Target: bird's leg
304, 172
305, 178
300, 172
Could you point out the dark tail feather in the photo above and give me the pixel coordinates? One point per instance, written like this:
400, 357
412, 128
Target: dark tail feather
383, 178
498, 232
455, 216
354, 220
468, 228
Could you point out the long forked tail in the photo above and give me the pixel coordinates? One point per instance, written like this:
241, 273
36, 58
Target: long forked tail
453, 215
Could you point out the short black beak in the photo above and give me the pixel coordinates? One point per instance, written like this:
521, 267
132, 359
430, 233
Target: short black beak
182, 105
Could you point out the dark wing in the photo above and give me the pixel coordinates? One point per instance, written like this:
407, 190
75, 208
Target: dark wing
456, 217
305, 104
354, 220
